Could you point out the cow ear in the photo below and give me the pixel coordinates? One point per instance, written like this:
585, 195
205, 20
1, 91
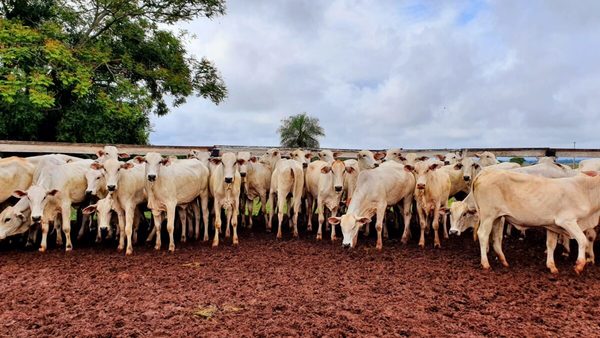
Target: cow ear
214, 160
253, 159
458, 166
334, 220
308, 155
96, 166
409, 168
402, 158
326, 169
166, 161
90, 209
19, 193
336, 155
276, 153
440, 157
127, 165
471, 212
379, 155
476, 166
20, 215
139, 159
241, 161
124, 155
363, 220
434, 166
100, 153
350, 170
478, 155
52, 192
422, 158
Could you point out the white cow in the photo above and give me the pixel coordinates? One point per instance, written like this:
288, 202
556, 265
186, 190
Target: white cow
56, 188
563, 205
325, 184
486, 158
15, 174
15, 220
225, 184
590, 164
287, 179
431, 193
367, 160
110, 152
376, 190
258, 182
169, 184
327, 156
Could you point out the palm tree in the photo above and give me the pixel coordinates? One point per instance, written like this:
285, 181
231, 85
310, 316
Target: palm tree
300, 131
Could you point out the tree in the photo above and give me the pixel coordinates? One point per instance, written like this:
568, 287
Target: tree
300, 131
93, 70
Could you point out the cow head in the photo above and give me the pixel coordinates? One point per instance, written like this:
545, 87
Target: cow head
229, 163
243, 157
350, 225
38, 198
103, 212
94, 179
337, 170
460, 218
154, 163
366, 160
393, 154
470, 169
13, 221
422, 170
302, 157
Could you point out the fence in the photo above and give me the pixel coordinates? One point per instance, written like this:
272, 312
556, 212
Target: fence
25, 148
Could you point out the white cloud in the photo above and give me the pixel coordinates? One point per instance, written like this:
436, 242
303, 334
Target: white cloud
416, 74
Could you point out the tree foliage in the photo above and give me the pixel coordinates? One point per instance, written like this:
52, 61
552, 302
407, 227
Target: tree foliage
300, 131
93, 70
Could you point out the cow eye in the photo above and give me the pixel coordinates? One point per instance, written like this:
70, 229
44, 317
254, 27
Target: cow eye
97, 178
7, 219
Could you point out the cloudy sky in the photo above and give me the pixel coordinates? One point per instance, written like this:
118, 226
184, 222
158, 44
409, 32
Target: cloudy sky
411, 74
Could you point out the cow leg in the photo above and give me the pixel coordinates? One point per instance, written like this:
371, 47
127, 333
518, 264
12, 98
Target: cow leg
263, 206
250, 207
217, 209
321, 212
334, 213
407, 203
32, 236
385, 229
445, 224
205, 212
289, 212
243, 205
45, 228
271, 208
66, 220
171, 209
136, 224
182, 211
591, 236
485, 228
379, 225
157, 216
436, 224
508, 229
551, 239
151, 235
309, 214
121, 218
129, 217
280, 204
297, 206
497, 232
423, 224
574, 230
228, 215
82, 229
234, 220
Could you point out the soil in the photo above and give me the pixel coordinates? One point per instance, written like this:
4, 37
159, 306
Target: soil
295, 287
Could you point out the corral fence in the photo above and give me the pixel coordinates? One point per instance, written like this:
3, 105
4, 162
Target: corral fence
26, 148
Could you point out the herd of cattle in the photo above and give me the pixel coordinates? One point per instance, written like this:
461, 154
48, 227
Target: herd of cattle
563, 201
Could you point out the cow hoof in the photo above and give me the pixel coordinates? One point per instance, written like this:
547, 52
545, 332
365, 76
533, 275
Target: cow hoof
422, 245
68, 249
268, 230
333, 238
172, 249
214, 245
553, 270
505, 264
120, 248
205, 239
42, 250
486, 267
157, 247
309, 228
235, 242
565, 254
379, 247
98, 240
589, 260
579, 267
319, 237
183, 240
128, 252
404, 241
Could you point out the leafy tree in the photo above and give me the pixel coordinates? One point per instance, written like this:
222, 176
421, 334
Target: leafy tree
300, 131
93, 70
518, 160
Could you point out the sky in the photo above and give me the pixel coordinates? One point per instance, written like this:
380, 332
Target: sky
409, 74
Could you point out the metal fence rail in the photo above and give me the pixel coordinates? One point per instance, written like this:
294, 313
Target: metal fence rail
32, 147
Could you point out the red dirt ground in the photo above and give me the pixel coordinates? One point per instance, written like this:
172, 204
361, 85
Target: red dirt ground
300, 287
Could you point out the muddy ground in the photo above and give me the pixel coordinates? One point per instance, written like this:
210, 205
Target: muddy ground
301, 287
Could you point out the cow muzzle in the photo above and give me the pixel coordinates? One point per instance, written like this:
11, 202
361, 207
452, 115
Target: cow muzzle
228, 180
88, 193
151, 178
376, 165
243, 174
421, 186
36, 219
467, 178
112, 187
446, 162
304, 165
338, 188
346, 245
454, 232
